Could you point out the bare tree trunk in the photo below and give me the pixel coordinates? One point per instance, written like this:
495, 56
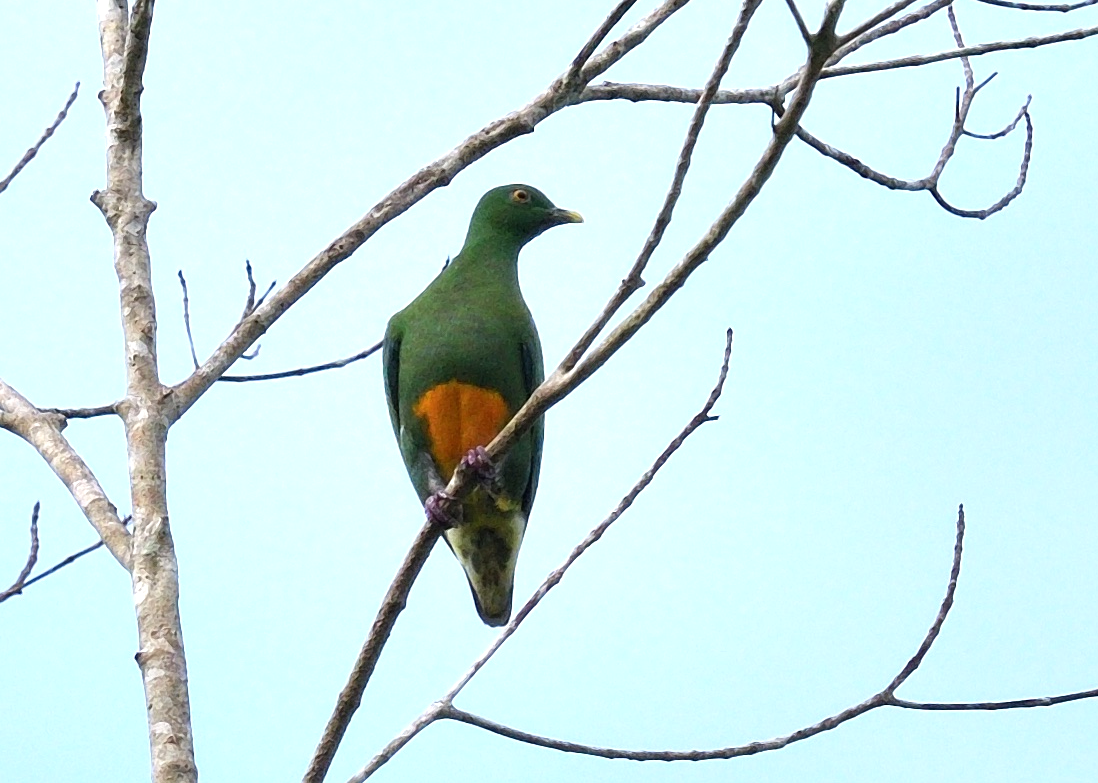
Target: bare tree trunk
124, 40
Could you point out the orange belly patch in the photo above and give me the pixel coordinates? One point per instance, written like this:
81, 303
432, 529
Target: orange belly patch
460, 417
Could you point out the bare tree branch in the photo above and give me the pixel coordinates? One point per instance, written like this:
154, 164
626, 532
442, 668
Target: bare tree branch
1016, 704
612, 91
957, 131
28, 156
42, 430
304, 370
869, 31
444, 707
187, 317
596, 40
801, 26
124, 40
606, 91
561, 382
32, 558
84, 413
68, 560
1061, 7
633, 281
440, 173
943, 610
970, 51
251, 303
885, 14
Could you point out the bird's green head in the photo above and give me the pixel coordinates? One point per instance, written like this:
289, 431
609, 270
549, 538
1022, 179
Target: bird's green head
517, 212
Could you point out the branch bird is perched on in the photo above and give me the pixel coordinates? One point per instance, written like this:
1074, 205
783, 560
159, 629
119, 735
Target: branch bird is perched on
459, 361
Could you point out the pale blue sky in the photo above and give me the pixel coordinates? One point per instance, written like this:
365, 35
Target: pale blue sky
891, 361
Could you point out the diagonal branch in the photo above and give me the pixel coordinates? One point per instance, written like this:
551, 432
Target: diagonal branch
633, 281
32, 558
846, 40
596, 39
42, 430
28, 156
561, 383
873, 29
561, 93
444, 707
396, 598
801, 26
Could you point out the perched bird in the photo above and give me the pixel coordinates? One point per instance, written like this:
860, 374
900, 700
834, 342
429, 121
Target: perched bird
459, 361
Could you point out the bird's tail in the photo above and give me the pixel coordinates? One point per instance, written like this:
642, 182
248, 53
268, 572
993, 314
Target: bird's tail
487, 545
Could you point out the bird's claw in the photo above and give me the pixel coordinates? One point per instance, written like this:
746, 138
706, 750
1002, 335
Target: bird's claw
443, 509
478, 463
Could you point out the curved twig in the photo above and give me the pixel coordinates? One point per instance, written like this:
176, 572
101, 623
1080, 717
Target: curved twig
32, 558
957, 131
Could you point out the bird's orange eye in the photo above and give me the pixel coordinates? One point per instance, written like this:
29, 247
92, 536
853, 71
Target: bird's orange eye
520, 196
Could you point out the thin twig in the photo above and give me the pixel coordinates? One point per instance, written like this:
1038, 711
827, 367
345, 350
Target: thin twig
1061, 7
943, 610
249, 303
28, 156
1016, 704
869, 24
596, 39
444, 707
69, 560
303, 370
805, 35
633, 281
1022, 112
84, 413
917, 60
249, 307
32, 558
187, 318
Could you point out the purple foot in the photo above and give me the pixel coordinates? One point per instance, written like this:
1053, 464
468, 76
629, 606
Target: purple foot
480, 465
443, 510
